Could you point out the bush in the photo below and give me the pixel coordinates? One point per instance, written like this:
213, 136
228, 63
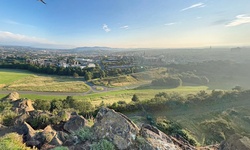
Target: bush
135, 98
102, 145
167, 81
12, 141
39, 121
173, 129
60, 148
8, 117
42, 104
84, 134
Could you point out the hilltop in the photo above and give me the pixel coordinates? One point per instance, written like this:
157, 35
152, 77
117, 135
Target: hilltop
66, 129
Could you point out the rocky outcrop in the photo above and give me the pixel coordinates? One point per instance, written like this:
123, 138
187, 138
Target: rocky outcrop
155, 139
236, 142
74, 123
22, 105
115, 127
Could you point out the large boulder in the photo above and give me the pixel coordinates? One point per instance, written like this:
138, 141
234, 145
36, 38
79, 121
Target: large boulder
236, 142
115, 127
155, 139
75, 122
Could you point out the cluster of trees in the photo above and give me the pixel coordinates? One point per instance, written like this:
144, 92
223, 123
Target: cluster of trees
88, 73
83, 107
167, 81
164, 100
190, 77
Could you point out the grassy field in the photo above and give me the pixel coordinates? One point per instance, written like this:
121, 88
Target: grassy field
121, 95
16, 80
9, 76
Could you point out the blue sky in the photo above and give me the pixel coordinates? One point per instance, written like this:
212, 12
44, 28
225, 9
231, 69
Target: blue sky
125, 23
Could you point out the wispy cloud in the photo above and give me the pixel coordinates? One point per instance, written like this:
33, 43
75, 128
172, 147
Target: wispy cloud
170, 24
124, 27
9, 38
240, 19
12, 37
106, 28
198, 5
12, 22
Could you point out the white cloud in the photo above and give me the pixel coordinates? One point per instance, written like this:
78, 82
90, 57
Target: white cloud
11, 22
170, 24
106, 28
240, 19
124, 27
198, 5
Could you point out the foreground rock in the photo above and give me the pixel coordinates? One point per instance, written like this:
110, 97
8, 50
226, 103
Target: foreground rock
116, 127
236, 142
155, 139
23, 105
75, 123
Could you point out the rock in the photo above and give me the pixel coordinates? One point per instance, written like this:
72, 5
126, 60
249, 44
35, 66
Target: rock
23, 105
155, 139
116, 127
26, 130
21, 119
33, 143
12, 96
48, 134
74, 123
236, 142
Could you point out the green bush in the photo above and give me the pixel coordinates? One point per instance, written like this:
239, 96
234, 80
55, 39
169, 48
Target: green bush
102, 145
39, 121
173, 129
8, 117
12, 141
60, 148
84, 133
42, 104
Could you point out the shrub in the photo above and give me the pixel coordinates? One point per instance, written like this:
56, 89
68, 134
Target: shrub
42, 104
84, 134
8, 117
135, 98
60, 148
102, 145
167, 81
12, 141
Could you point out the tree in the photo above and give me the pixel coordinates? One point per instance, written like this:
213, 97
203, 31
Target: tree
88, 76
237, 88
135, 98
75, 75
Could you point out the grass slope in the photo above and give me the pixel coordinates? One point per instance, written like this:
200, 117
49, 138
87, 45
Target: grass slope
16, 80
213, 122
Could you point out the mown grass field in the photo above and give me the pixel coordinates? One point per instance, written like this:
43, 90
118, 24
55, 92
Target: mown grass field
9, 76
17, 80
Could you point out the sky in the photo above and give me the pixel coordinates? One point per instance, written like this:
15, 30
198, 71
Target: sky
125, 23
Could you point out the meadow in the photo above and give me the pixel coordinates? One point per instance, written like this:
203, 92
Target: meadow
17, 80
